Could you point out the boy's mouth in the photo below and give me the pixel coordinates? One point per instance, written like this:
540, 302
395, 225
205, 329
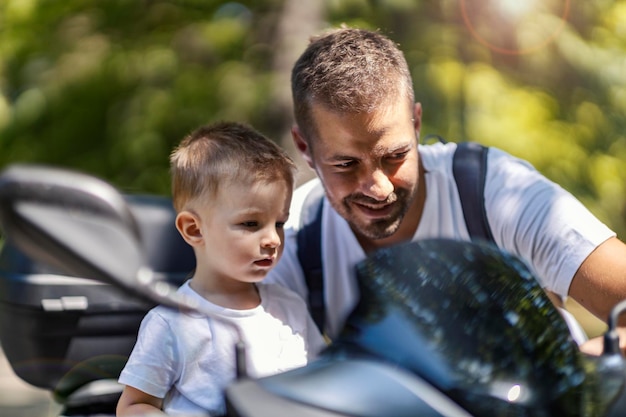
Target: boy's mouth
264, 262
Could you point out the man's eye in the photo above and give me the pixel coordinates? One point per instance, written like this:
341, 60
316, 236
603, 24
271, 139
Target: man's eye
398, 156
344, 165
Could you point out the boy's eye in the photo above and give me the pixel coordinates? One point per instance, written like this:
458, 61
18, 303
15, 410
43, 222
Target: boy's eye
280, 225
250, 224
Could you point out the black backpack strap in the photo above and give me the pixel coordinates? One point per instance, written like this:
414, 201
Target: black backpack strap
469, 166
309, 240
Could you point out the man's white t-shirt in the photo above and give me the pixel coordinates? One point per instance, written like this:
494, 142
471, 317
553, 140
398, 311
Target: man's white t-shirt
529, 216
188, 358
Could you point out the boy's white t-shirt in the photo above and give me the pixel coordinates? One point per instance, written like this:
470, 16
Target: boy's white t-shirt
529, 216
188, 358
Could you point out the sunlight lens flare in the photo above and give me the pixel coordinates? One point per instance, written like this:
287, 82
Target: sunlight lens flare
515, 8
515, 27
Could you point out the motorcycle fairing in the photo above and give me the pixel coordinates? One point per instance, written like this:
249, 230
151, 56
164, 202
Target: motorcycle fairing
465, 318
349, 387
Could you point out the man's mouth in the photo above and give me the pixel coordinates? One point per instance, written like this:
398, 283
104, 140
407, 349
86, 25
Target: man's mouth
374, 210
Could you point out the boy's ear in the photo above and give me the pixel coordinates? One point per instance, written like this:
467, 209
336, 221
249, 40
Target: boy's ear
188, 225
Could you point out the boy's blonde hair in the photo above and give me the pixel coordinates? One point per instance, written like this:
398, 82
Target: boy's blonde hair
217, 154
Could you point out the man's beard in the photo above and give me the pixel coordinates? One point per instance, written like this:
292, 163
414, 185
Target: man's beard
379, 228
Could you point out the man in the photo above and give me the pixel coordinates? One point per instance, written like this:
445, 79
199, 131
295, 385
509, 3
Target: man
358, 125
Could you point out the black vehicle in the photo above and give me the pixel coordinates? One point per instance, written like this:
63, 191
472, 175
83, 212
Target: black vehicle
443, 328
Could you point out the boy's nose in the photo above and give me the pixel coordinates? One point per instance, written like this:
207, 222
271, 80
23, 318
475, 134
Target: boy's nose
271, 239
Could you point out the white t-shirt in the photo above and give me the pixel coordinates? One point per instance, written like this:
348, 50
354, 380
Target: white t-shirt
188, 359
529, 216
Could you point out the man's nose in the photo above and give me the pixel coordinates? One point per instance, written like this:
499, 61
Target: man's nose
378, 185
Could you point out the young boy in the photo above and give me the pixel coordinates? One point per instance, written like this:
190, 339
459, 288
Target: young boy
232, 189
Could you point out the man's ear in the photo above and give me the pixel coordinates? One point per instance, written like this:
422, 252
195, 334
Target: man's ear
417, 117
188, 225
302, 145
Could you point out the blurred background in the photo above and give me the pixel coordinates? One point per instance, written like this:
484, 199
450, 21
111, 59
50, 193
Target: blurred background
110, 86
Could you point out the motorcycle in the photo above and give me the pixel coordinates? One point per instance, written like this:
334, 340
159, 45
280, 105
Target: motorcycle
443, 328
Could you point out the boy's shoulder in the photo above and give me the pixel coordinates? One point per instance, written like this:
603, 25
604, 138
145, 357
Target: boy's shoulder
168, 314
162, 313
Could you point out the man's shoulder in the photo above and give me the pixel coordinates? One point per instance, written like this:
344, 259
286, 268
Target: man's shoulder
436, 154
297, 202
272, 292
276, 290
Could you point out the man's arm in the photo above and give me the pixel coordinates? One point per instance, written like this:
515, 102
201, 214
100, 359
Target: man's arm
600, 282
595, 346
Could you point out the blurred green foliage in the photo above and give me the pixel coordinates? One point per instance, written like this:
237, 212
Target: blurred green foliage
110, 86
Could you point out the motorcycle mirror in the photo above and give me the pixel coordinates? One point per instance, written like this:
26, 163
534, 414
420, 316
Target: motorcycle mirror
82, 225
53, 215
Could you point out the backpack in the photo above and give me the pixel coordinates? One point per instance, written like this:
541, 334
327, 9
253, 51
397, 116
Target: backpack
469, 167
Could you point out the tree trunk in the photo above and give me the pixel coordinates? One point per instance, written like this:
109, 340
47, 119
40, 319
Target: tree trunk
299, 20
